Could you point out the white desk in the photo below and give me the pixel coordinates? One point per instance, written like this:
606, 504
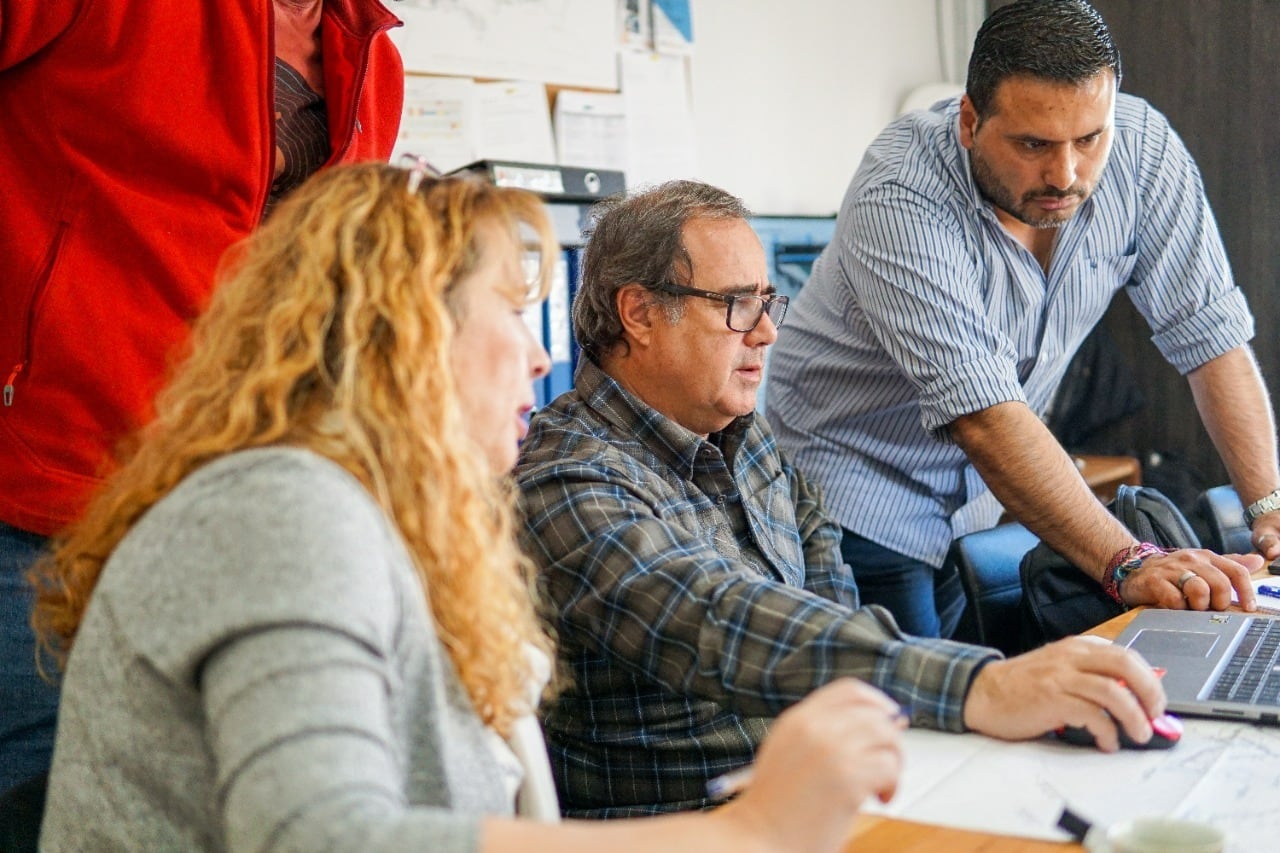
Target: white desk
1222, 773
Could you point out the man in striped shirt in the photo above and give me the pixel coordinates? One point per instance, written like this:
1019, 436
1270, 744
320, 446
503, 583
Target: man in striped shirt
693, 577
976, 246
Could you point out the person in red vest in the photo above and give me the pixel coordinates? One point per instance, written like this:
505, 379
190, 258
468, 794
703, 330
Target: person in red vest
141, 138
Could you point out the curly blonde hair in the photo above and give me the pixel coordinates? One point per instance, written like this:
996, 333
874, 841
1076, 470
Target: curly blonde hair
341, 310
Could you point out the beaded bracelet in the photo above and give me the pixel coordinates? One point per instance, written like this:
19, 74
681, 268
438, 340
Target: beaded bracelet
1125, 561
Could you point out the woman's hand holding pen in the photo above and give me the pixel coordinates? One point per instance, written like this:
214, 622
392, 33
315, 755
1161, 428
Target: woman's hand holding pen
823, 757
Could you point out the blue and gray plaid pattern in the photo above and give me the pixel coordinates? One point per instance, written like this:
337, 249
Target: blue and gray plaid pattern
697, 590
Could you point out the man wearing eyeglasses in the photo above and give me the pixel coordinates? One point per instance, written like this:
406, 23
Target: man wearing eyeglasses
694, 581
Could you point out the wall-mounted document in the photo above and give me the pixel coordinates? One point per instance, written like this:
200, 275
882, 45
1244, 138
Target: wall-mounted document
569, 42
439, 121
661, 26
591, 130
515, 123
660, 145
635, 24
453, 121
672, 26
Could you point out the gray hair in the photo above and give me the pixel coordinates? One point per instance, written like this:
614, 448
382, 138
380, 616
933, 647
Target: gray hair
637, 239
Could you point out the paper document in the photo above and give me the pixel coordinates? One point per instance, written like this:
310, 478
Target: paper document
635, 25
570, 42
439, 121
1215, 774
672, 26
591, 130
660, 144
515, 123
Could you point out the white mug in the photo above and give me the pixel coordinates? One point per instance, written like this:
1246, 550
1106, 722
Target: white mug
1156, 835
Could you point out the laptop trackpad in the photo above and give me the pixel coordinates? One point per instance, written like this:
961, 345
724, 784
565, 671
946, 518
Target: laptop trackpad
1155, 643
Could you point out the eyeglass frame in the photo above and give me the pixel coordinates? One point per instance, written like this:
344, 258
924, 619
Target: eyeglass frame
419, 167
767, 301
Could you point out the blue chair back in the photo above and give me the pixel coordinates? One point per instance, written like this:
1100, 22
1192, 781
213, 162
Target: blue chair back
1223, 514
987, 562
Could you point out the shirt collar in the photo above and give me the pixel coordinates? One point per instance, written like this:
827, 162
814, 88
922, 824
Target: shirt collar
677, 446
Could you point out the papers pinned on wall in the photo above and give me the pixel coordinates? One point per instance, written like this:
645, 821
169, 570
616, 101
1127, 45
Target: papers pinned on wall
566, 42
438, 121
660, 139
661, 26
635, 25
515, 123
672, 26
591, 130
645, 130
453, 121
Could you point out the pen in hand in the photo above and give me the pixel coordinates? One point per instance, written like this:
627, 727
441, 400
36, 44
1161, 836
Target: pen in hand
733, 782
736, 781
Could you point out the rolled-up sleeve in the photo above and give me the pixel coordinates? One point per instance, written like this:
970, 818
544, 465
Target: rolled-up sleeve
1182, 282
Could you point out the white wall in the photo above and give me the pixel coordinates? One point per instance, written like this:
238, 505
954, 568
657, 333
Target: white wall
788, 93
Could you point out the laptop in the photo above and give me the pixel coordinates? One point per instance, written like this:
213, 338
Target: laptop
1221, 665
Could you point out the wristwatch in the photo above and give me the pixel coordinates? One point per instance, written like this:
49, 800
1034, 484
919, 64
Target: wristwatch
1261, 507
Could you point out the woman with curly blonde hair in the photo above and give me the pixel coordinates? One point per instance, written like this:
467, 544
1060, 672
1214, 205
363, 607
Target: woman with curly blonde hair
296, 619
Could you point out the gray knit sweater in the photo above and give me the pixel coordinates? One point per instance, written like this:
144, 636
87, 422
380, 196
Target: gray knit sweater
258, 670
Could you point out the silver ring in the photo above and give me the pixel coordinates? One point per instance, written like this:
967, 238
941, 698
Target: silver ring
1182, 581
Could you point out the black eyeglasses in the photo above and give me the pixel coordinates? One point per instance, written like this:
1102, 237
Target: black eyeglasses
743, 312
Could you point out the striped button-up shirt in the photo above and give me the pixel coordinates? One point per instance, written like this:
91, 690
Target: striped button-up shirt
923, 309
697, 590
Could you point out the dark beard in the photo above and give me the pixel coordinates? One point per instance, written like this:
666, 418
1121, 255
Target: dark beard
1000, 196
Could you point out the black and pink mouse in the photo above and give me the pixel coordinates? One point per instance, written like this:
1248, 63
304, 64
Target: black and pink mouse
1166, 730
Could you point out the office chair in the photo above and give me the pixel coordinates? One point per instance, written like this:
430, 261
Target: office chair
1223, 513
21, 810
987, 562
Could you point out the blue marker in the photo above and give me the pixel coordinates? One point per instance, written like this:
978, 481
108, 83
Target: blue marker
1269, 591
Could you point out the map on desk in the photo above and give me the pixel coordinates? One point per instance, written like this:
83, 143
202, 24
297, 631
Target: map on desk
1222, 773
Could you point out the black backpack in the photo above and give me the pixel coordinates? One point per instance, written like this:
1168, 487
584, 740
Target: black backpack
1059, 600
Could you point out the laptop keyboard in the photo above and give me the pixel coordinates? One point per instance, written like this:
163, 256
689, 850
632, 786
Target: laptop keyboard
1252, 676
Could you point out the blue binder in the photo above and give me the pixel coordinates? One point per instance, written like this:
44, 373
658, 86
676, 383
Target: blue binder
559, 330
535, 317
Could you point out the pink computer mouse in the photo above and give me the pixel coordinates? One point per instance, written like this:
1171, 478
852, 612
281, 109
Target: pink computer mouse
1166, 730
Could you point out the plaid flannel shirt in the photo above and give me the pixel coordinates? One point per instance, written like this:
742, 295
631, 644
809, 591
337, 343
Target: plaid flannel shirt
697, 590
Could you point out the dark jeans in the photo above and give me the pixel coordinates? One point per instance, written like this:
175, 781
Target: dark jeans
925, 601
28, 703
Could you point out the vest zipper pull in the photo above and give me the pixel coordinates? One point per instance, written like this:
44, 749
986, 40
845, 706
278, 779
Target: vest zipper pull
8, 385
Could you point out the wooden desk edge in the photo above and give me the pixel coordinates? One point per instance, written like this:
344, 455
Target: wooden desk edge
879, 834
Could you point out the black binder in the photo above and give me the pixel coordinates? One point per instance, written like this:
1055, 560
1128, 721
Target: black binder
553, 183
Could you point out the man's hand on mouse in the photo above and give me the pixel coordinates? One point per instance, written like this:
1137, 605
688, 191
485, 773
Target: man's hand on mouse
1073, 682
1166, 731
